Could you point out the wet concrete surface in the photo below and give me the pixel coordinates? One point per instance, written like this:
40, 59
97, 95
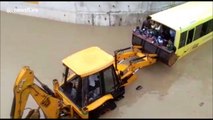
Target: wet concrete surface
182, 91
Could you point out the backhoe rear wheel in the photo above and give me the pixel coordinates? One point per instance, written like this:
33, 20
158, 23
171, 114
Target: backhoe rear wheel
107, 106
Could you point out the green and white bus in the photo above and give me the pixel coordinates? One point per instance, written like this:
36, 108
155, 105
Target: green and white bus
192, 23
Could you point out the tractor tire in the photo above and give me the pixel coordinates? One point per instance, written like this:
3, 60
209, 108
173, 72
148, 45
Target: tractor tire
107, 106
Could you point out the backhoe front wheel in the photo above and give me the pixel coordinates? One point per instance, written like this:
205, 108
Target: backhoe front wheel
107, 106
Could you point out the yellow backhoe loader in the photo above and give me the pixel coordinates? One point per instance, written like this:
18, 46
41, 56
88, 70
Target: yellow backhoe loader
93, 80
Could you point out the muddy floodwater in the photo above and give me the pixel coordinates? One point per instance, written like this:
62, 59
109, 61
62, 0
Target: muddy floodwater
183, 90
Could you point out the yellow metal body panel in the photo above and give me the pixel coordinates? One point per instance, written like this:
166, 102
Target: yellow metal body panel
82, 113
193, 45
67, 101
24, 79
130, 80
88, 61
24, 87
122, 67
128, 70
47, 103
99, 102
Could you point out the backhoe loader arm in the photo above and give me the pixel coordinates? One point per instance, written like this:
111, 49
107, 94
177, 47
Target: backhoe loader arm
24, 86
137, 60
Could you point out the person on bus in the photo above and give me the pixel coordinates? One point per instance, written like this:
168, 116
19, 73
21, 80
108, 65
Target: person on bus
172, 34
137, 30
146, 23
156, 27
170, 46
165, 33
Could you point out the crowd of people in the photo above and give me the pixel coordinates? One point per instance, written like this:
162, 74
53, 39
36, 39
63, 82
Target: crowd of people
160, 34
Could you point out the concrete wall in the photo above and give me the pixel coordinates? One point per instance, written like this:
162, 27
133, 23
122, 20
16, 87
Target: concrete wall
93, 13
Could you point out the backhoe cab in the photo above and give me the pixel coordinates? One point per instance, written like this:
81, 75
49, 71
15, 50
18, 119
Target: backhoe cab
93, 81
90, 81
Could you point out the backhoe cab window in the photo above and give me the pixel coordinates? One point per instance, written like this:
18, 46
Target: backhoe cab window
72, 87
98, 84
94, 87
68, 74
83, 91
109, 79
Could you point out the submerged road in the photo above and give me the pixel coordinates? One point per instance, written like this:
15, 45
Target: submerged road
182, 91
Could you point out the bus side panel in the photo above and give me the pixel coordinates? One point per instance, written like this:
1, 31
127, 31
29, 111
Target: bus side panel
192, 46
200, 42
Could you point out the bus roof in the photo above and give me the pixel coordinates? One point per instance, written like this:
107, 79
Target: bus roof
184, 15
88, 61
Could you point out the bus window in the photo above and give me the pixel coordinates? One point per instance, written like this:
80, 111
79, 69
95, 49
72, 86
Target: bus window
198, 31
210, 26
182, 39
190, 36
204, 29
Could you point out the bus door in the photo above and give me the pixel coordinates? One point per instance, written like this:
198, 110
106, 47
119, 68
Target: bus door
185, 42
189, 41
182, 43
